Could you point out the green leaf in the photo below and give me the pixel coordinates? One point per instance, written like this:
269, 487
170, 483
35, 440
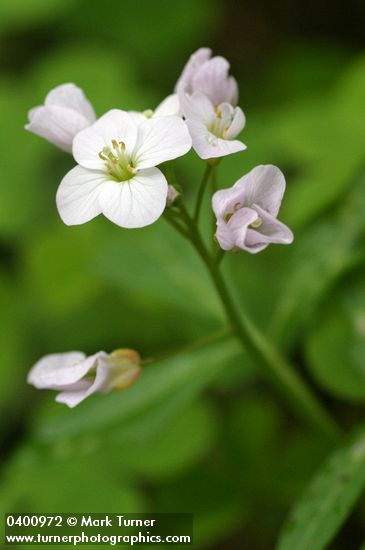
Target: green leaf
328, 499
174, 449
63, 480
57, 267
316, 261
132, 260
336, 343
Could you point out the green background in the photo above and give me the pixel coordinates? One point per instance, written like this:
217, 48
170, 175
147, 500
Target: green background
201, 432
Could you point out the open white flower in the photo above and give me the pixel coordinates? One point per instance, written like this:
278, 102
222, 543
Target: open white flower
76, 376
247, 212
66, 111
208, 75
116, 173
213, 129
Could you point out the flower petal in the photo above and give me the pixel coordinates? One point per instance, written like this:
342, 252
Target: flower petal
270, 231
114, 125
58, 125
137, 116
224, 236
226, 201
72, 97
207, 145
60, 370
73, 397
237, 124
212, 80
197, 107
160, 139
170, 106
137, 202
193, 64
112, 371
233, 234
265, 186
77, 195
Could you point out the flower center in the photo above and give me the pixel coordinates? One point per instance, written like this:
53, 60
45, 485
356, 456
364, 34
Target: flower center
222, 121
117, 163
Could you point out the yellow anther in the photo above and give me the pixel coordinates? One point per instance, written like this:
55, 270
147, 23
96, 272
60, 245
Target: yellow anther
256, 223
218, 112
225, 130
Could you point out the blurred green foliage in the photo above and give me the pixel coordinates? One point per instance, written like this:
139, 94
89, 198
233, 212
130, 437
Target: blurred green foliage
200, 431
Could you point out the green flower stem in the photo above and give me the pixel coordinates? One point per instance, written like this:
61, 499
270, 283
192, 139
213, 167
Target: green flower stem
282, 374
201, 191
219, 255
176, 224
202, 342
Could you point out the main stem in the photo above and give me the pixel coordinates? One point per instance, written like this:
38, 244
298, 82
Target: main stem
276, 367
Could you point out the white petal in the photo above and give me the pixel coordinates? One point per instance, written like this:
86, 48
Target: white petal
224, 236
212, 80
207, 145
58, 125
160, 139
60, 370
270, 231
137, 116
265, 186
71, 398
77, 195
110, 373
226, 201
198, 107
233, 234
115, 371
238, 225
137, 202
193, 64
71, 97
114, 125
170, 106
237, 124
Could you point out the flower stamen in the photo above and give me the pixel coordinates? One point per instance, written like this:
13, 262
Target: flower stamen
257, 223
117, 162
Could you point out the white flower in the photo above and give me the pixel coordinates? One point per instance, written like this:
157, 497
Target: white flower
246, 213
76, 376
116, 174
65, 112
170, 106
208, 75
208, 96
213, 129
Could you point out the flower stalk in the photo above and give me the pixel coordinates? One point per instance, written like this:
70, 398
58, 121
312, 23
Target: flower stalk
278, 369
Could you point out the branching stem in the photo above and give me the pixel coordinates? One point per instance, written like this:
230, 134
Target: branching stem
277, 368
